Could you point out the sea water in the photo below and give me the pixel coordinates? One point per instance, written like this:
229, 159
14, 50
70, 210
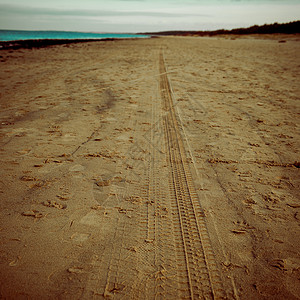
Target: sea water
16, 35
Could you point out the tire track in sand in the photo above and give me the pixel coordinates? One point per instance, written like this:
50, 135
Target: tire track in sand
162, 282
163, 251
197, 270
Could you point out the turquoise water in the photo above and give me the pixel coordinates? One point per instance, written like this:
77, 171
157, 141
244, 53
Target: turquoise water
16, 35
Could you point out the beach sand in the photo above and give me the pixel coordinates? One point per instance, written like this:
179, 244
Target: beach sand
163, 168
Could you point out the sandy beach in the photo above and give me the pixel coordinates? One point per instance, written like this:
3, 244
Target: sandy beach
162, 168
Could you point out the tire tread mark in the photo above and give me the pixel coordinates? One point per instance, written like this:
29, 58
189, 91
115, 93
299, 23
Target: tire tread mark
201, 269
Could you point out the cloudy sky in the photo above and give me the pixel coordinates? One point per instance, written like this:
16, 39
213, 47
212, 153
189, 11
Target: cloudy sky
143, 15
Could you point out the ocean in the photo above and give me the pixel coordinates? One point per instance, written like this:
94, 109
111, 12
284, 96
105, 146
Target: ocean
17, 35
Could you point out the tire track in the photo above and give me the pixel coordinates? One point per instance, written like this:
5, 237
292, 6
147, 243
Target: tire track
159, 279
197, 267
161, 229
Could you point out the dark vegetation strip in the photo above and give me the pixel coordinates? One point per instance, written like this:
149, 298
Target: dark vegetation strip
286, 28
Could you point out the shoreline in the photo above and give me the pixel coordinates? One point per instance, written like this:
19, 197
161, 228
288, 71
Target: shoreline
42, 43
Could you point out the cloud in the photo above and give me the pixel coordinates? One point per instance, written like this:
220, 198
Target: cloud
144, 15
35, 11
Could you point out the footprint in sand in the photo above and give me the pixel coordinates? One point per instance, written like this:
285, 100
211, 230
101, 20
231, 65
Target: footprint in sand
77, 168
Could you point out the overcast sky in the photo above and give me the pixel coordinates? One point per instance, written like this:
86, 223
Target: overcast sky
143, 15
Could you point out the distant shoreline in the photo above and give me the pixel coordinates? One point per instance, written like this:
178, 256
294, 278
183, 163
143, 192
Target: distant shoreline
43, 43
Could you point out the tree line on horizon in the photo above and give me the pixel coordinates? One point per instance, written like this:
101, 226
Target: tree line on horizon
286, 28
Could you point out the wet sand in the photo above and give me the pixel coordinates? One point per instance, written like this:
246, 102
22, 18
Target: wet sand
163, 168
